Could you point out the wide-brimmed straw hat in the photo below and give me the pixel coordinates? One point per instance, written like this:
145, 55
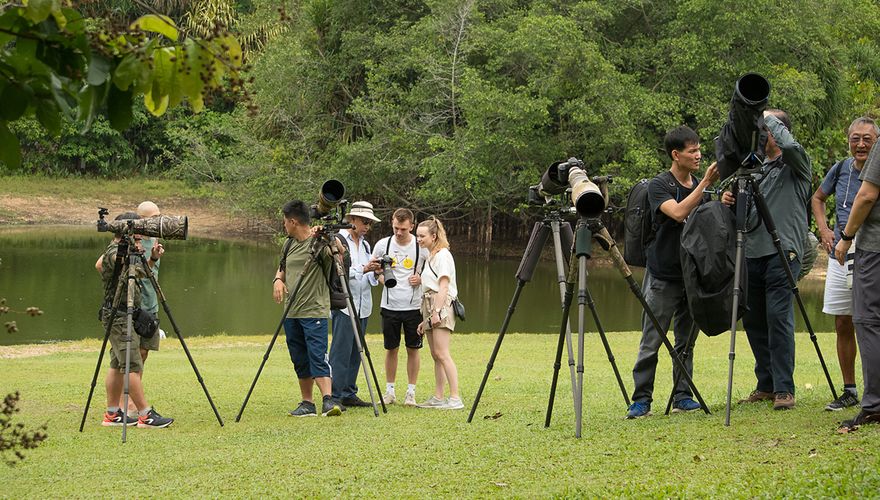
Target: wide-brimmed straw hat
363, 209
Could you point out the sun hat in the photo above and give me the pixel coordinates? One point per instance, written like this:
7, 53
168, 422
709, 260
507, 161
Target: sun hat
363, 209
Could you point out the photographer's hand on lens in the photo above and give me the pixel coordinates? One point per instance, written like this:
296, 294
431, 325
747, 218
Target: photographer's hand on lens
712, 174
157, 252
728, 198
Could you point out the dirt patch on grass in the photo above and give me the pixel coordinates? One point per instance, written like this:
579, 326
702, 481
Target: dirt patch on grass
206, 219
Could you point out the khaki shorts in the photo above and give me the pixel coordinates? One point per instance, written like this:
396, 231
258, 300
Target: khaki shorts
118, 344
447, 318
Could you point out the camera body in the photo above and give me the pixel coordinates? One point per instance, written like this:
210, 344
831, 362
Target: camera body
386, 262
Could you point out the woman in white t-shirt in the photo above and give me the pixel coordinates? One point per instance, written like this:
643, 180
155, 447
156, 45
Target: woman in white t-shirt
439, 289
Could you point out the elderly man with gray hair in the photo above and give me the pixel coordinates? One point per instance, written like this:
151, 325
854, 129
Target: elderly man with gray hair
842, 180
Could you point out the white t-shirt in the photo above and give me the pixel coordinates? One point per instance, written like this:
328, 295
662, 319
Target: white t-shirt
402, 297
435, 268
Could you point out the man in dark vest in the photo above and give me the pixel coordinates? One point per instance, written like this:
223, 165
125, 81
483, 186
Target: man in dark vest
673, 195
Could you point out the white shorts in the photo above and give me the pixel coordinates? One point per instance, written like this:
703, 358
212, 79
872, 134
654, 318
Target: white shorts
838, 297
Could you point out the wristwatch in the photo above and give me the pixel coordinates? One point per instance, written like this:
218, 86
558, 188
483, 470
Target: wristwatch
846, 237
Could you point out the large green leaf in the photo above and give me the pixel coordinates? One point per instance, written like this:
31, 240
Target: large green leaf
190, 78
164, 68
89, 102
15, 101
49, 116
10, 148
156, 104
38, 10
119, 108
130, 70
157, 24
99, 69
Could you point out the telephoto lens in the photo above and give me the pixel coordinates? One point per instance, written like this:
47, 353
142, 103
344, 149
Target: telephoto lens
386, 261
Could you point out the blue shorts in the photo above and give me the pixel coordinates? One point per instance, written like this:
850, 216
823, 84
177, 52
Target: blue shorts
307, 345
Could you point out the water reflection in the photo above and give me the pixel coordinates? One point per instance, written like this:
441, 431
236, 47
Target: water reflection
223, 286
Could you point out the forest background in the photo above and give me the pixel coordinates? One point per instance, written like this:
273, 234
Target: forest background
454, 107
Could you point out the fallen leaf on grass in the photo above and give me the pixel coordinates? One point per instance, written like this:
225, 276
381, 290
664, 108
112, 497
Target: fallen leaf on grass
497, 378
496, 416
774, 443
808, 386
500, 485
814, 453
699, 458
847, 430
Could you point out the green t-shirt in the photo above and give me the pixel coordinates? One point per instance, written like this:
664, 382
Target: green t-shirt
149, 297
107, 264
313, 298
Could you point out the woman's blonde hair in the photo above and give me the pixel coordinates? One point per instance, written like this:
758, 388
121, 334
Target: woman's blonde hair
435, 227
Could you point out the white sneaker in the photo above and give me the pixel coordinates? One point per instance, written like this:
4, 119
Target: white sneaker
389, 398
453, 404
433, 402
410, 399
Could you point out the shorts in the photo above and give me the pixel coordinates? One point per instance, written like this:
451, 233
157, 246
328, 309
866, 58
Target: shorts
838, 296
393, 321
118, 345
447, 318
307, 346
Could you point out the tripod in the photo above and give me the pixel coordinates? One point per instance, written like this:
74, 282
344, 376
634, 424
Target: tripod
747, 187
320, 242
128, 251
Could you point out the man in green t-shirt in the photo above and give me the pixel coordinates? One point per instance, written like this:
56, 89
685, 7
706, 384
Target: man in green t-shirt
306, 323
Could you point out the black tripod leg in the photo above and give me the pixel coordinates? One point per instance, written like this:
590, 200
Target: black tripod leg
563, 242
761, 205
564, 332
112, 314
527, 264
179, 335
510, 309
689, 349
290, 300
595, 312
360, 341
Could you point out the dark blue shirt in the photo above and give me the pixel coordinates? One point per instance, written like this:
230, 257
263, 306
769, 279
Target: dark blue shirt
843, 182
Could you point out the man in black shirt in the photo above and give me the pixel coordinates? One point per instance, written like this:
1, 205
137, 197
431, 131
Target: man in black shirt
673, 195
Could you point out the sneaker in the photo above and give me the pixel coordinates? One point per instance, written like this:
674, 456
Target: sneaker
389, 398
783, 401
305, 409
153, 420
340, 405
116, 419
686, 404
757, 396
845, 400
329, 407
453, 404
355, 401
410, 399
433, 402
863, 417
638, 410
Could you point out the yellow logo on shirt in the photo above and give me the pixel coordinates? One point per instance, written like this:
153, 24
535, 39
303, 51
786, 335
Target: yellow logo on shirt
407, 263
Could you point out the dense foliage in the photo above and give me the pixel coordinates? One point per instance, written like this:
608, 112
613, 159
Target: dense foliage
455, 106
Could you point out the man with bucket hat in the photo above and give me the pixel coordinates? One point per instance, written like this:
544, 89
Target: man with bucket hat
344, 356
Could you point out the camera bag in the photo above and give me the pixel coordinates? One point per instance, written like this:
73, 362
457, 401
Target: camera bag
145, 323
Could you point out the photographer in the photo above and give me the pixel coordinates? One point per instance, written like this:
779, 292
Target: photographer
113, 383
344, 356
149, 298
306, 324
769, 320
865, 220
672, 195
400, 304
843, 182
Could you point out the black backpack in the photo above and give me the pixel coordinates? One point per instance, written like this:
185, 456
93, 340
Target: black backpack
638, 225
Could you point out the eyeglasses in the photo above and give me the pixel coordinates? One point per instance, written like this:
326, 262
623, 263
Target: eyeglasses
856, 139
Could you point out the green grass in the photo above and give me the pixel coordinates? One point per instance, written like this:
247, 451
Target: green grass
421, 453
87, 187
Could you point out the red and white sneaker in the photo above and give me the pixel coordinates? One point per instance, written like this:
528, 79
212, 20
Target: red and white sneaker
116, 419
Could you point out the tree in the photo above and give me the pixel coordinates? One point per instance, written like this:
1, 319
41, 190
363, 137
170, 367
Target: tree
57, 65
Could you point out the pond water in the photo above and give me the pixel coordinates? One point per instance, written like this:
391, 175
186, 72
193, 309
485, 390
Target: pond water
225, 286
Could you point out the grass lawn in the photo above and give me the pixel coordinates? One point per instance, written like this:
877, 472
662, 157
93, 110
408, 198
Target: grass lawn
88, 187
428, 453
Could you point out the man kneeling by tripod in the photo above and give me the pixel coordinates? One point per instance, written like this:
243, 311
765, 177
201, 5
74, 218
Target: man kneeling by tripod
148, 418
